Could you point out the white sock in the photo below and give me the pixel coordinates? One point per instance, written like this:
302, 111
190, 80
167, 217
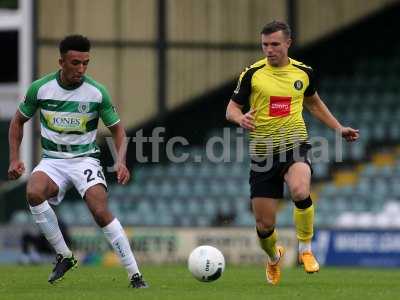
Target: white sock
304, 246
115, 234
46, 219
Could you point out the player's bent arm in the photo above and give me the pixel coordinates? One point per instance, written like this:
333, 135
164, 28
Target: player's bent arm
234, 112
319, 110
235, 115
15, 134
119, 135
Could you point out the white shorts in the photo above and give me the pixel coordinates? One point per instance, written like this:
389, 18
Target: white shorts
81, 172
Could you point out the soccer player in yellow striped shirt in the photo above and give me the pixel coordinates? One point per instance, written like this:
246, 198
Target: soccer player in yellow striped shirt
276, 88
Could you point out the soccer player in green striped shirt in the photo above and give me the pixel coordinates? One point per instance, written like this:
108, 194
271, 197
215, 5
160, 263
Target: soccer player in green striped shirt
70, 104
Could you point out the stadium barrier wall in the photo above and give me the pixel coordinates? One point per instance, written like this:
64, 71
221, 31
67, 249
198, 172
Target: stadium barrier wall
173, 245
155, 245
368, 248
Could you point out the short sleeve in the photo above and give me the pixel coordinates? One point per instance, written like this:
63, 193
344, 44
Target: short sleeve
29, 106
312, 86
107, 111
242, 93
243, 89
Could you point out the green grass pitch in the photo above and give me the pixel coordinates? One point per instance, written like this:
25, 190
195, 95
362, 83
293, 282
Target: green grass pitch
175, 282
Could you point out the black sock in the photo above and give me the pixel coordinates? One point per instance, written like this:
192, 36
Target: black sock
303, 204
265, 234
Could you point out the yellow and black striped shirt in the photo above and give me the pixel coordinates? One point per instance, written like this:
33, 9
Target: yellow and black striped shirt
277, 93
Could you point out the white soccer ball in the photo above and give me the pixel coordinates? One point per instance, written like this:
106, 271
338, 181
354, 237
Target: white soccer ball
206, 263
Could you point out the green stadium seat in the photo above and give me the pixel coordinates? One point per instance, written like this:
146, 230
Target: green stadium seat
245, 219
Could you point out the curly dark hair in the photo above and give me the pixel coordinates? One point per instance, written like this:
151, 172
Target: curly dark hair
75, 42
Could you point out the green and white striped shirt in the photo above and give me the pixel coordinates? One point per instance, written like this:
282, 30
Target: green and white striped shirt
69, 115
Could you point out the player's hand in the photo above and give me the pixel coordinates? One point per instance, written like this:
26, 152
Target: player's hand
123, 174
16, 169
247, 121
350, 134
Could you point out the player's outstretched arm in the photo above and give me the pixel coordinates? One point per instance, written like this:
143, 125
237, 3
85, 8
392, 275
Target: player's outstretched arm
118, 134
15, 134
319, 110
235, 115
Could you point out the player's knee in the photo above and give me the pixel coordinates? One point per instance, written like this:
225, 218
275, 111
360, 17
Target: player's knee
299, 192
34, 196
265, 225
102, 216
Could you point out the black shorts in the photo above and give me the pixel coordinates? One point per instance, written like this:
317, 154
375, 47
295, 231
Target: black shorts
267, 173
